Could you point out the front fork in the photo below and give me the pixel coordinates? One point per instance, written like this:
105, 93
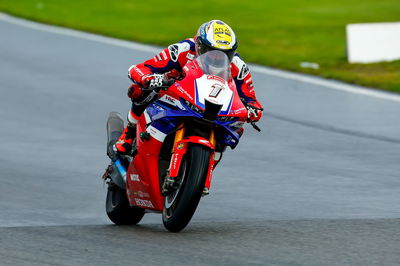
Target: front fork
179, 149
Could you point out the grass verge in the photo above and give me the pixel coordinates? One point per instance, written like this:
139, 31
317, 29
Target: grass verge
277, 33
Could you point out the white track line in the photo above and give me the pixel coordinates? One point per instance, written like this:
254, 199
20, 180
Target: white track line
335, 85
77, 34
330, 84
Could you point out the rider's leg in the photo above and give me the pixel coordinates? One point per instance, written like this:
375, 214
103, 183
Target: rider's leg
124, 143
140, 100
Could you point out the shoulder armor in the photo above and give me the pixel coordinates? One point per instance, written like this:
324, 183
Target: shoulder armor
242, 66
176, 49
190, 41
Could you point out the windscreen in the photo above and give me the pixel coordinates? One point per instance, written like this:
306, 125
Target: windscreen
215, 63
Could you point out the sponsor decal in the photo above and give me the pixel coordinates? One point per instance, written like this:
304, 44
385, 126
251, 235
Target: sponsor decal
185, 92
180, 146
222, 30
152, 131
174, 52
216, 78
174, 162
170, 99
223, 42
190, 56
238, 111
142, 194
135, 177
156, 133
217, 88
144, 203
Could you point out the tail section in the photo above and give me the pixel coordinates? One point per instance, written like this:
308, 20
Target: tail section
115, 126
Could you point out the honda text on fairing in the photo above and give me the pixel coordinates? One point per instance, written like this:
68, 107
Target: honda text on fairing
179, 141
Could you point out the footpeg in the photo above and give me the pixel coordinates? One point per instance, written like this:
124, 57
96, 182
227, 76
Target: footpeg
107, 173
144, 136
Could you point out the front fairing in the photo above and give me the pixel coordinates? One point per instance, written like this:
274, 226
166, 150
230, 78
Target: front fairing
185, 100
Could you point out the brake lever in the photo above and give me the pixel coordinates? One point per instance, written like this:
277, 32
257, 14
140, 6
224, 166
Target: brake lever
253, 124
250, 105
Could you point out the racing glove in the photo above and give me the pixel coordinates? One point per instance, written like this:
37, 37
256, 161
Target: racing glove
253, 113
149, 89
154, 81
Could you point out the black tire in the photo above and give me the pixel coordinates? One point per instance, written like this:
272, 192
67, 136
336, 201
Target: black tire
118, 209
180, 205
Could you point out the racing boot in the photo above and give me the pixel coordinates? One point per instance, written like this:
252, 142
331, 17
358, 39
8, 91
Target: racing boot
125, 141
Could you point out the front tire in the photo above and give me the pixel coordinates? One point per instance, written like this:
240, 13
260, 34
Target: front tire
180, 205
118, 209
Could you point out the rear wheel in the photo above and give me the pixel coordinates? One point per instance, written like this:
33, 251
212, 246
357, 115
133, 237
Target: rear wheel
117, 205
118, 209
180, 205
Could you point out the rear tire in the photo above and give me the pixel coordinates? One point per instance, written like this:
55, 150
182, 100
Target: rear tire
117, 205
118, 209
180, 205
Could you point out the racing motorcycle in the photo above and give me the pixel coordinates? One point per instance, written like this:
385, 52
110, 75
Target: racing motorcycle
179, 141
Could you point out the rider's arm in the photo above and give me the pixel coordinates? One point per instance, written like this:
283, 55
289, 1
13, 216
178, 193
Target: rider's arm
172, 58
244, 84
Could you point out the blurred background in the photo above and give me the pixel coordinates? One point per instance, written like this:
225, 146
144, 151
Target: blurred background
318, 186
299, 35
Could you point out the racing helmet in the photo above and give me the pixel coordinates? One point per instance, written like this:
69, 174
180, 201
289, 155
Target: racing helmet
216, 35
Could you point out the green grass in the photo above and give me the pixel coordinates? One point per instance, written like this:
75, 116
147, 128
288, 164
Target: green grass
277, 33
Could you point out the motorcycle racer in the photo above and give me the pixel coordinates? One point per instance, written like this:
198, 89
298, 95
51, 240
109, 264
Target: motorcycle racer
167, 66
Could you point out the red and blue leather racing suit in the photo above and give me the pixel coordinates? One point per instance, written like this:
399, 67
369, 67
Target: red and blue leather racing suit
172, 59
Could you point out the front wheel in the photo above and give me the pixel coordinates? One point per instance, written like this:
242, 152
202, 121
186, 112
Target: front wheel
180, 205
118, 209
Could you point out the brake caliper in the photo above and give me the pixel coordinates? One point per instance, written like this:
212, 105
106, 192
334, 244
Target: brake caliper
168, 185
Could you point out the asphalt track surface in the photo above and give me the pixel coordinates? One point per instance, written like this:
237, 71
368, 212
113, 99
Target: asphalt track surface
318, 186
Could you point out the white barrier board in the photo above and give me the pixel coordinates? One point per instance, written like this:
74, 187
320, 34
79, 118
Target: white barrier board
373, 42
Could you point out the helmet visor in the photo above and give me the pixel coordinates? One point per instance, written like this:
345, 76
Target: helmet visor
203, 48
